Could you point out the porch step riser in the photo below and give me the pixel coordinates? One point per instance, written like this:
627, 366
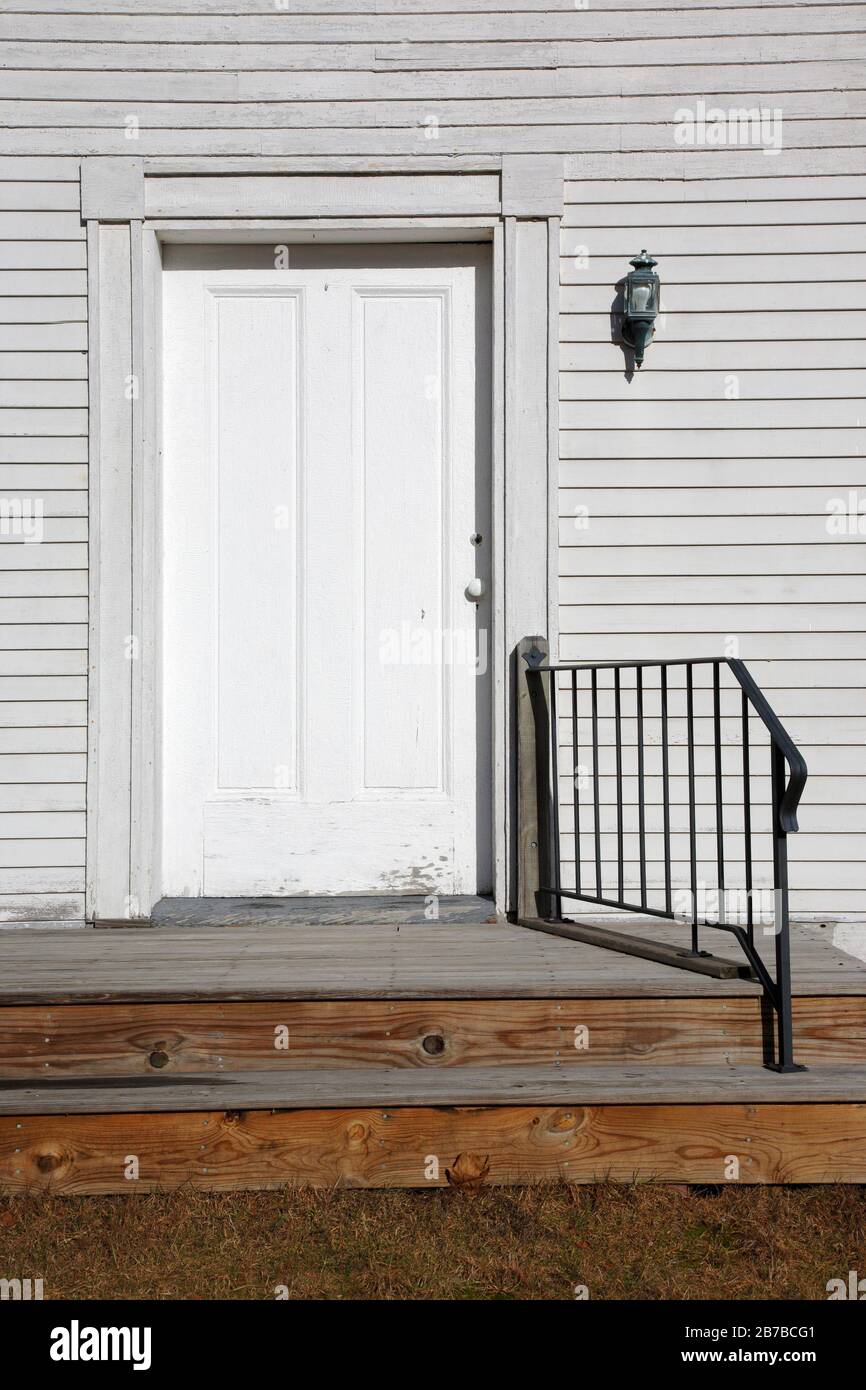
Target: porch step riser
170, 1040
220, 1151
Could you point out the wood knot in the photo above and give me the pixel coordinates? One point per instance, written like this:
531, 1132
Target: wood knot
356, 1133
566, 1120
469, 1172
49, 1162
433, 1044
158, 1058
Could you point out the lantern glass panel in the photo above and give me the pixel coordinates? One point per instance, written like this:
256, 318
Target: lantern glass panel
642, 297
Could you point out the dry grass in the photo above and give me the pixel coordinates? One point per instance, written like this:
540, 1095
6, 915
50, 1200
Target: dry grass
531, 1243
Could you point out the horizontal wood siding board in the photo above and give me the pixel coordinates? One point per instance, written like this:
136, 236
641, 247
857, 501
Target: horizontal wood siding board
804, 135
41, 908
746, 81
403, 26
312, 114
379, 7
470, 42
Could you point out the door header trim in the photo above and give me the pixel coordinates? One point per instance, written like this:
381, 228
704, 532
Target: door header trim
129, 189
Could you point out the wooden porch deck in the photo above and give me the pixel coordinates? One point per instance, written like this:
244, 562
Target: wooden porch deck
354, 1051
379, 960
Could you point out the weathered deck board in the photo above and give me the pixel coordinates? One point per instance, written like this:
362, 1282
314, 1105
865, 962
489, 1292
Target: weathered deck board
44, 1042
507, 1085
414, 1147
434, 960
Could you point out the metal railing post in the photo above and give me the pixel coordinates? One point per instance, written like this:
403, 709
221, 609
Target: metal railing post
533, 780
785, 1057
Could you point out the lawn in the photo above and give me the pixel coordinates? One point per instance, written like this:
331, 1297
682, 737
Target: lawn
623, 1242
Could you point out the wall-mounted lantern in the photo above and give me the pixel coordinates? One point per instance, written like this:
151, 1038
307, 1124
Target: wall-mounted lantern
640, 305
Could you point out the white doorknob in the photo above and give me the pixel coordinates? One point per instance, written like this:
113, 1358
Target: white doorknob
475, 590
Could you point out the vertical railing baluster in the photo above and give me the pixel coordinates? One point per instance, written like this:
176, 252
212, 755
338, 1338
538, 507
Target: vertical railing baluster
666, 789
596, 791
554, 755
720, 831
575, 763
693, 856
641, 799
617, 702
747, 819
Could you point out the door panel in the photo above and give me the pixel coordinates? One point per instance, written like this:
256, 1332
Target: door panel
255, 417
402, 474
326, 475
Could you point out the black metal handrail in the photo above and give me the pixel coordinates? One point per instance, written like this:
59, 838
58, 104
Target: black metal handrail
578, 682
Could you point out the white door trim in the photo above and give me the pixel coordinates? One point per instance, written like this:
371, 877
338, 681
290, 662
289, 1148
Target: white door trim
521, 196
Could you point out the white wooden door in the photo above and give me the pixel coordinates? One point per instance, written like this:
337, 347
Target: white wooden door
325, 505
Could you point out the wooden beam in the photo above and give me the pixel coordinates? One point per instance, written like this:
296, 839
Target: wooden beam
128, 1040
223, 1151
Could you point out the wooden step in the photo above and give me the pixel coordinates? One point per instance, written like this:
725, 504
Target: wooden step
589, 1084
793, 1138
209, 1039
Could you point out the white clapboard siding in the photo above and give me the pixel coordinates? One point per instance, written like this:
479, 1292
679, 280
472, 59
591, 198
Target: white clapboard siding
52, 738
599, 244
39, 665
788, 359
26, 714
43, 636
774, 441
726, 499
754, 81
705, 296
402, 25
43, 580
720, 327
716, 218
588, 267
42, 853
41, 909
694, 560
705, 518
533, 110
719, 413
402, 140
286, 42
774, 385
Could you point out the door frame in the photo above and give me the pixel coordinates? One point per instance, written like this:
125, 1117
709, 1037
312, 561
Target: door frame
132, 206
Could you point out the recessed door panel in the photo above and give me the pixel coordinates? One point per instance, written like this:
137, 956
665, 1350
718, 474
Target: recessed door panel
403, 422
257, 548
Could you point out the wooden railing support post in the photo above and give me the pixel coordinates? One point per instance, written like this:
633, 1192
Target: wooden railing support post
534, 865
